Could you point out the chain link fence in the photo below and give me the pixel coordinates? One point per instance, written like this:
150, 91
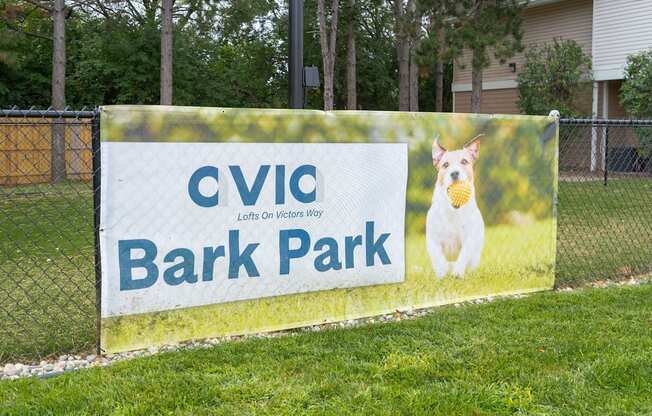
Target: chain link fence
605, 200
47, 277
48, 285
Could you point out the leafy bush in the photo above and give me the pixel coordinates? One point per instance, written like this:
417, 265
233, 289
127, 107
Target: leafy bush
552, 77
636, 95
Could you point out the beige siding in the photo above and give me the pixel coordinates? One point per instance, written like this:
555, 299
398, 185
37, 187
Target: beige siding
621, 28
493, 102
505, 101
571, 19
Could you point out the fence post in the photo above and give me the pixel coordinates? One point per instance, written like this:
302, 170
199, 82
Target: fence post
95, 148
606, 154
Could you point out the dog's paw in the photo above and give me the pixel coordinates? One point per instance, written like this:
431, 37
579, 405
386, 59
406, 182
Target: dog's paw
458, 270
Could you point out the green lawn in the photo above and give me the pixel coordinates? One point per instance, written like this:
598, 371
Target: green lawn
47, 294
47, 289
604, 232
581, 353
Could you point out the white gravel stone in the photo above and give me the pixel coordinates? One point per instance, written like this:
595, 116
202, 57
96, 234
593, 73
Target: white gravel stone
9, 369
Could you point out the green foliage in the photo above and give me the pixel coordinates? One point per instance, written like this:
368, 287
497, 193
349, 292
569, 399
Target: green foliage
552, 78
637, 87
112, 60
231, 54
636, 95
485, 26
25, 60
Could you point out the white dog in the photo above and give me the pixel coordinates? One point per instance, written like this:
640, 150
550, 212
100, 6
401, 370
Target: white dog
455, 234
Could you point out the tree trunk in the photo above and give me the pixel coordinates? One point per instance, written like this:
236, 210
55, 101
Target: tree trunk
414, 81
327, 40
403, 55
439, 87
351, 92
476, 66
166, 52
415, 35
476, 88
403, 51
439, 74
58, 152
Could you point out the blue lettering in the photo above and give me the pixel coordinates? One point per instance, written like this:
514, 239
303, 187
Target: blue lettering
331, 254
350, 243
280, 184
127, 264
193, 187
372, 248
285, 253
249, 196
237, 259
186, 266
299, 195
210, 256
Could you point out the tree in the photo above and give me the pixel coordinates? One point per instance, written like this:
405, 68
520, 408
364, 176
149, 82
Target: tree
58, 152
57, 10
439, 14
407, 24
166, 52
328, 42
414, 60
551, 78
636, 89
351, 90
485, 26
376, 65
635, 95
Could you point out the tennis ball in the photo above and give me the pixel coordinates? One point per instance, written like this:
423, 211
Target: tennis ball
459, 193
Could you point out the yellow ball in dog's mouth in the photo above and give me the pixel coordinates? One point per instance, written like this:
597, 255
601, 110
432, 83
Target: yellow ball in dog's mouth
459, 193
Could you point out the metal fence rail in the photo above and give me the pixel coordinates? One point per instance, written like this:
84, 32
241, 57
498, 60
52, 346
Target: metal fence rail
48, 284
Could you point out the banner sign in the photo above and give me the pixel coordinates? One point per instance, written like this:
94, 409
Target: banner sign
232, 221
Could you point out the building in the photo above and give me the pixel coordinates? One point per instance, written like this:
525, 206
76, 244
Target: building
607, 30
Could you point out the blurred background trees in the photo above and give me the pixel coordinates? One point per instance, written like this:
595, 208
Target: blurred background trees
224, 53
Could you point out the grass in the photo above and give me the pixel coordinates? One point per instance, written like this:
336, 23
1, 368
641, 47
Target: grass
47, 289
46, 232
604, 232
581, 353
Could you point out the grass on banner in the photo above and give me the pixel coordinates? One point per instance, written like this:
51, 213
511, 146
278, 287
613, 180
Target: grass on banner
576, 353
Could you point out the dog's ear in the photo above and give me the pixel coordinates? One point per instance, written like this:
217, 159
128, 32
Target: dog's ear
473, 147
437, 152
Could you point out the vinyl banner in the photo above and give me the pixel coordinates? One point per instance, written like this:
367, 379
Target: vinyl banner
232, 221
